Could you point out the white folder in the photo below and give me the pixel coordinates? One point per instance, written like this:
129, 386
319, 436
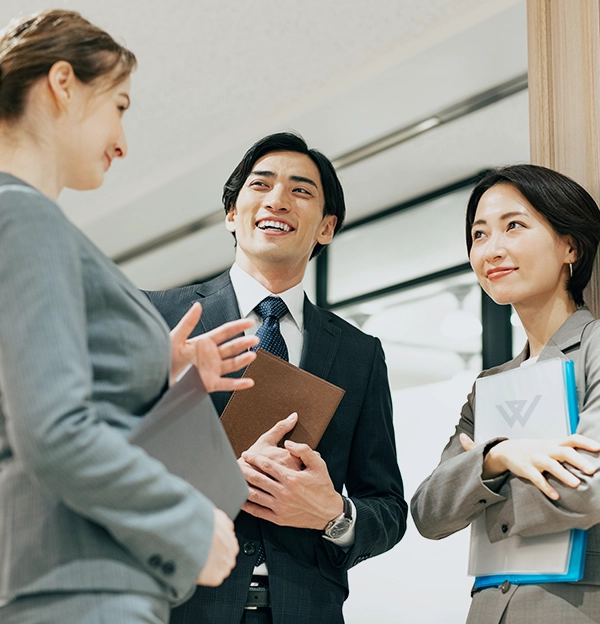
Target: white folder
534, 401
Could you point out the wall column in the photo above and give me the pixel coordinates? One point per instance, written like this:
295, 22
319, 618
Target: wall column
564, 96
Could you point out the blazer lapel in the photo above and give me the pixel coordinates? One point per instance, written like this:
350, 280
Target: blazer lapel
321, 341
568, 335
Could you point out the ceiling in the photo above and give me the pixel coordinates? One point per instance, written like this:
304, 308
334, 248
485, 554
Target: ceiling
215, 75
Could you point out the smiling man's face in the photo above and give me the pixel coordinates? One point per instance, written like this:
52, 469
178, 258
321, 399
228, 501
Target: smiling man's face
278, 215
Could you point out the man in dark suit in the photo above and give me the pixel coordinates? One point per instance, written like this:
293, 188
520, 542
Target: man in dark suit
298, 533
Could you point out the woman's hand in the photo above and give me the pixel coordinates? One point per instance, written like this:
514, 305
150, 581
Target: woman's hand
210, 353
223, 551
530, 459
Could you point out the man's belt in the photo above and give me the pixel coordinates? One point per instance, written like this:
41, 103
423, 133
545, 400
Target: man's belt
258, 593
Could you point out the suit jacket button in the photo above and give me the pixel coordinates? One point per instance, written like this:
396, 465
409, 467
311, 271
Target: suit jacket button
505, 528
155, 561
482, 501
249, 548
505, 587
168, 568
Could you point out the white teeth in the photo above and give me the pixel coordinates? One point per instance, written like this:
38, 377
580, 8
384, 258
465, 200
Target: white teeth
277, 225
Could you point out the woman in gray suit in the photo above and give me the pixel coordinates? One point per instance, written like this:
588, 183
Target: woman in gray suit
532, 237
91, 528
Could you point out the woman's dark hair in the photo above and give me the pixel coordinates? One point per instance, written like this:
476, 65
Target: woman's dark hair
289, 142
31, 45
566, 205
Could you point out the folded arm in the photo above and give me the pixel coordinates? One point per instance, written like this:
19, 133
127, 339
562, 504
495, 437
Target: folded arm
455, 493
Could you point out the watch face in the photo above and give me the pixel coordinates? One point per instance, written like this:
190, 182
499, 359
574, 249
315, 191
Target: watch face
339, 528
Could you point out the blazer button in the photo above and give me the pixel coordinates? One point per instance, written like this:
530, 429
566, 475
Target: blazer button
155, 561
482, 501
505, 587
505, 528
249, 548
168, 568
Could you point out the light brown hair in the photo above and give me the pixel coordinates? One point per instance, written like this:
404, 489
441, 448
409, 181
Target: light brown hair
31, 45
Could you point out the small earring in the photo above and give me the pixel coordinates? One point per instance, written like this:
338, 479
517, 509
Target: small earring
571, 269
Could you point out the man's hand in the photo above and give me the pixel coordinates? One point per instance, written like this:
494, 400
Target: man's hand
267, 445
285, 495
212, 353
223, 551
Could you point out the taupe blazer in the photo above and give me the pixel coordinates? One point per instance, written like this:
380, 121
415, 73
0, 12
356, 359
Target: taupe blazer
454, 495
83, 356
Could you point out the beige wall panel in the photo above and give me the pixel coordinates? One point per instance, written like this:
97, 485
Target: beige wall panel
564, 94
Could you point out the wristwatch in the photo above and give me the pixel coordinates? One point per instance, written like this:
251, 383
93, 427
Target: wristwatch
340, 526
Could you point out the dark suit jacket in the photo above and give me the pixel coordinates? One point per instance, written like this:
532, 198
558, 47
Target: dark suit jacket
307, 574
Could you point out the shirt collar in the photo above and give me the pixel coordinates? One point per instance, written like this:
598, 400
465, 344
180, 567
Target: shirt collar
250, 293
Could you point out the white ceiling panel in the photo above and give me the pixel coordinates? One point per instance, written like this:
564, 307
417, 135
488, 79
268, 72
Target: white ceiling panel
215, 75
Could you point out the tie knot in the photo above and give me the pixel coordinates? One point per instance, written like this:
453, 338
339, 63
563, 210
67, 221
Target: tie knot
272, 306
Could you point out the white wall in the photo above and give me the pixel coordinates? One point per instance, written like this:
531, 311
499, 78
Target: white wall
419, 581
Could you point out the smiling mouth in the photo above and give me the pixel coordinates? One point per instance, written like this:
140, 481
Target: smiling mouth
498, 273
275, 226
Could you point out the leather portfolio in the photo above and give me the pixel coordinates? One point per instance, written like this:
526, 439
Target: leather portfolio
280, 388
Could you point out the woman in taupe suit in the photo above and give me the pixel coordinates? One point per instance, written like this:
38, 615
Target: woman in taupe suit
91, 528
532, 236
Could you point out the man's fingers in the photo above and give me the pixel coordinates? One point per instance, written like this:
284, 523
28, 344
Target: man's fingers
269, 474
259, 481
278, 430
258, 511
258, 497
187, 323
308, 457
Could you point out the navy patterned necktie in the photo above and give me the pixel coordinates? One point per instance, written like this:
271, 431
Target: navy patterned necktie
271, 310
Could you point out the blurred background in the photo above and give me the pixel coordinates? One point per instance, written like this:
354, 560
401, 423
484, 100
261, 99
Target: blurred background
412, 100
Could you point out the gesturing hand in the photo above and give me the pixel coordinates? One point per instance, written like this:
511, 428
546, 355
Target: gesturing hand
530, 459
212, 353
223, 551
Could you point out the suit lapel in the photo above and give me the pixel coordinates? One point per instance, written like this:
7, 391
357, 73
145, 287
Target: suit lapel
321, 341
568, 336
219, 303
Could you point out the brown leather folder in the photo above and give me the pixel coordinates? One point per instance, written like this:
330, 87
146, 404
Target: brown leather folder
280, 388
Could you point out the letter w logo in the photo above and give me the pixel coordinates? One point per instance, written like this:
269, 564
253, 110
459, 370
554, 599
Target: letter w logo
516, 407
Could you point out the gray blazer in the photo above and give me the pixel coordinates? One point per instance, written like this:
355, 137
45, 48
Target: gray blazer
83, 356
454, 495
